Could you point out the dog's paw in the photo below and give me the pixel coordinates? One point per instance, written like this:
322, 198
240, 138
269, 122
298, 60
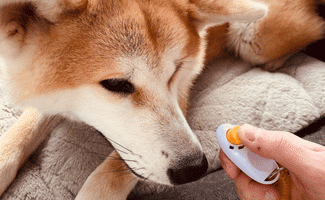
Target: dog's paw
9, 165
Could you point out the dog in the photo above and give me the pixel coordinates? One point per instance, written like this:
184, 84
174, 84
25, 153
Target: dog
126, 68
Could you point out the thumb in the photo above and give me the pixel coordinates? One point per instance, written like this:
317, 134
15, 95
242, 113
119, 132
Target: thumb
285, 148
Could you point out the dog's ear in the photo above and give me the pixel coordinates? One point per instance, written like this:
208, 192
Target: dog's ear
49, 9
207, 13
19, 19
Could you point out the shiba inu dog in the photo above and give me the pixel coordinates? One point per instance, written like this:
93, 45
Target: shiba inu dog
124, 67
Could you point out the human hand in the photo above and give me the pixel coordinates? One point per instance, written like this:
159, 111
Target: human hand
305, 161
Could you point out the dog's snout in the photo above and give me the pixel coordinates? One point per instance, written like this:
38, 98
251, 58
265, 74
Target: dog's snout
188, 170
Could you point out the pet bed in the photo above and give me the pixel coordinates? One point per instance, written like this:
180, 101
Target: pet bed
228, 91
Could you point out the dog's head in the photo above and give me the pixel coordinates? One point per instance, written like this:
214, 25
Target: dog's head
122, 66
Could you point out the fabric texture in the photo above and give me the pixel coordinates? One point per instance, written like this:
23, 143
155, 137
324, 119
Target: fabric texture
228, 91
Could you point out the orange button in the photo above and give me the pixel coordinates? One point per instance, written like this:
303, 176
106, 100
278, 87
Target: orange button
232, 136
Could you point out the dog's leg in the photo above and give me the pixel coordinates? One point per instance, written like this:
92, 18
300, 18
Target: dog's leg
21, 141
111, 180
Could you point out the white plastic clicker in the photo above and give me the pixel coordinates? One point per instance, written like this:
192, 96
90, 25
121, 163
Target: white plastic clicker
260, 169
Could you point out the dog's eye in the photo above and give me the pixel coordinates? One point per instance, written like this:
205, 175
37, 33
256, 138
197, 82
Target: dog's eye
118, 86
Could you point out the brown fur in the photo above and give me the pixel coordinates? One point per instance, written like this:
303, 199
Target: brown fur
217, 43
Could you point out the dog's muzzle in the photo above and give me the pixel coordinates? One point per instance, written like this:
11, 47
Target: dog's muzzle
188, 170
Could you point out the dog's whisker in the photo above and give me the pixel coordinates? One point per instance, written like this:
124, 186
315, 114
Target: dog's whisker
118, 158
134, 178
147, 178
103, 154
119, 150
124, 174
83, 148
144, 179
119, 145
92, 152
127, 169
129, 160
119, 170
114, 171
114, 158
100, 143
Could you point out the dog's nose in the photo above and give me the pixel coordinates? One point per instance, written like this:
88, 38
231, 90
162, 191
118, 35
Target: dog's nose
188, 170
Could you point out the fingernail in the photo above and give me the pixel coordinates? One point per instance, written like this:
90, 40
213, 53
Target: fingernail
248, 134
